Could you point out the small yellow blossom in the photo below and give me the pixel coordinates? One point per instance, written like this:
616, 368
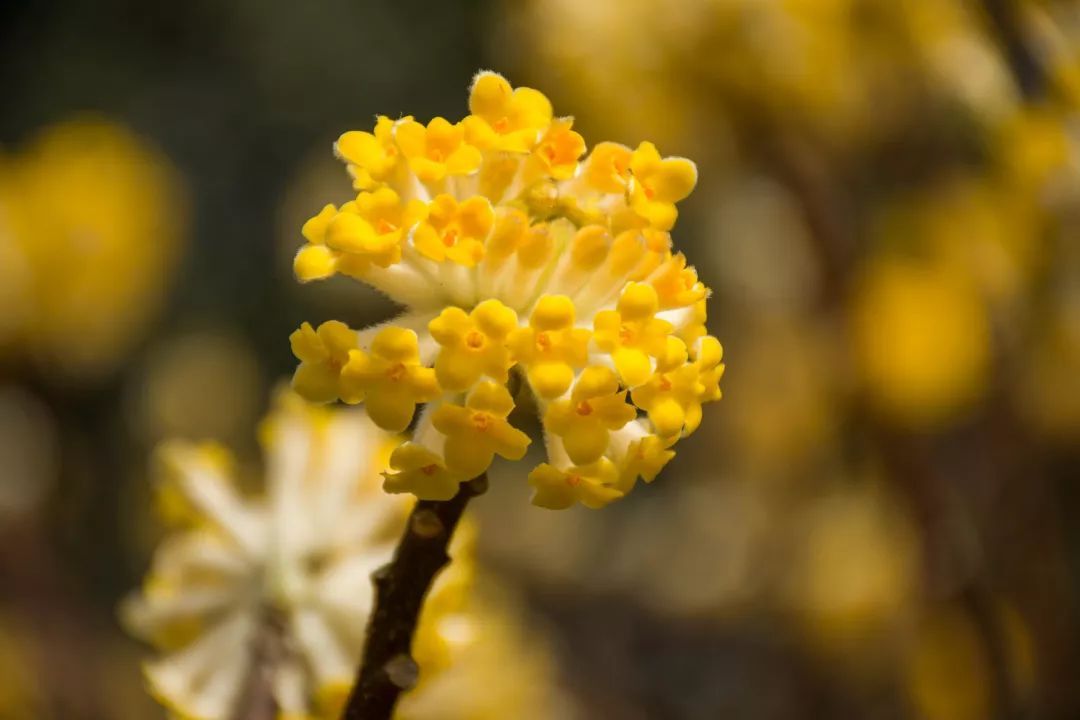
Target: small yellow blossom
438, 150
390, 379
592, 485
369, 231
608, 168
322, 354
645, 458
559, 150
371, 157
583, 421
504, 118
550, 348
473, 344
632, 332
417, 470
672, 399
659, 183
455, 231
479, 430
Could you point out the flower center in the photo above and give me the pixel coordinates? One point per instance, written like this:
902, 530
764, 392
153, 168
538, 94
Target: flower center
385, 226
429, 469
626, 334
502, 125
450, 237
481, 421
436, 155
543, 341
665, 383
573, 480
584, 408
396, 372
474, 339
649, 192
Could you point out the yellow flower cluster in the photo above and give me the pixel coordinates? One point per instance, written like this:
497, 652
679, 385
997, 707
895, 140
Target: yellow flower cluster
278, 587
516, 255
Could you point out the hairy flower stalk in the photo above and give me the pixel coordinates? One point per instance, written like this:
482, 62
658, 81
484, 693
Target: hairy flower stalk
513, 253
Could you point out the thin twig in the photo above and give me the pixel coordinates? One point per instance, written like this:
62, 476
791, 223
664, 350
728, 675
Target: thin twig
256, 700
387, 668
1005, 16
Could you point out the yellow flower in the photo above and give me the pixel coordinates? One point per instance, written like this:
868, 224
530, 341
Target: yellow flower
369, 231
632, 332
322, 354
437, 150
921, 340
645, 458
559, 149
608, 168
390, 379
91, 221
550, 348
372, 157
479, 430
658, 183
583, 421
676, 284
523, 253
672, 399
473, 344
455, 231
417, 470
591, 485
504, 118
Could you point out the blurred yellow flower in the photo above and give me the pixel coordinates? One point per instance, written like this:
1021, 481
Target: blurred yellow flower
921, 341
91, 222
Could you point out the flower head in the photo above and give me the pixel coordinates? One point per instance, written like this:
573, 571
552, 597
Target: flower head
519, 256
283, 579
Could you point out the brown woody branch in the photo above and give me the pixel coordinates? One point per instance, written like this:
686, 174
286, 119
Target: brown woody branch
387, 668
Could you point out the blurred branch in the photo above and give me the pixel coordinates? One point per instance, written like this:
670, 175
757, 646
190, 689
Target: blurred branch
257, 701
387, 668
1005, 17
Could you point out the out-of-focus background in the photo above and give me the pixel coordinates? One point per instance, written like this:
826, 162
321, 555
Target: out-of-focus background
877, 521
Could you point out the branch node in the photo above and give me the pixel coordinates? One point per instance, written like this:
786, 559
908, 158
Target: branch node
426, 524
403, 671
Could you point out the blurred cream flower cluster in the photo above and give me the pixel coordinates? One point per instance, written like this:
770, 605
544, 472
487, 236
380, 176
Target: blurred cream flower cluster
267, 595
91, 221
516, 260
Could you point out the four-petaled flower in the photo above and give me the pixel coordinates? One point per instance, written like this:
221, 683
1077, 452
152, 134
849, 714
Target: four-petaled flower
592, 485
504, 118
632, 332
473, 344
389, 379
437, 150
584, 420
551, 348
658, 183
479, 430
371, 157
455, 231
322, 353
417, 470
